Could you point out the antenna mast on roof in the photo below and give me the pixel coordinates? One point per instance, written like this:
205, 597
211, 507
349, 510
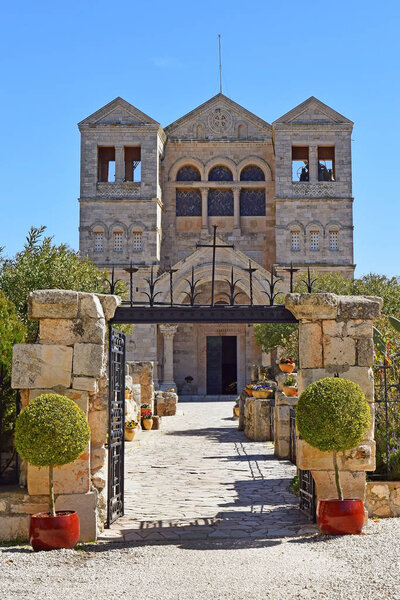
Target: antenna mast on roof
220, 64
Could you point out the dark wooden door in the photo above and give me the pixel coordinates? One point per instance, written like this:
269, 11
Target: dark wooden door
221, 365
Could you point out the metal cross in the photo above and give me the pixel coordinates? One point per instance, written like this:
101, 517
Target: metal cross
292, 271
131, 270
171, 272
250, 271
214, 246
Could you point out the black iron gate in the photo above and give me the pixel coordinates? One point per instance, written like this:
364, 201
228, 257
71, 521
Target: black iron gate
307, 494
292, 430
116, 363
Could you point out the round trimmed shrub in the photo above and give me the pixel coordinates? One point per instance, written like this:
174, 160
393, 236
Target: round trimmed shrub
51, 431
333, 414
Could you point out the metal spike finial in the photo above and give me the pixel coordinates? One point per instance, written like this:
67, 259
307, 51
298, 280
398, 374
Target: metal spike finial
309, 283
233, 294
272, 282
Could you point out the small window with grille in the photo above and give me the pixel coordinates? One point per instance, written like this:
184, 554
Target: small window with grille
295, 240
137, 241
98, 241
314, 240
333, 240
117, 241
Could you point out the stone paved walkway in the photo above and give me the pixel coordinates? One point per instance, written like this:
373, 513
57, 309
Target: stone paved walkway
199, 478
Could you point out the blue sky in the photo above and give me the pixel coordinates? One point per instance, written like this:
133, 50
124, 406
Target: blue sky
61, 61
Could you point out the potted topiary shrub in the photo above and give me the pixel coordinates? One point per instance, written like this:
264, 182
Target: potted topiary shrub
333, 415
50, 432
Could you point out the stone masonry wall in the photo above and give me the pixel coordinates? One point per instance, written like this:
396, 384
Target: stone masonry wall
69, 359
335, 337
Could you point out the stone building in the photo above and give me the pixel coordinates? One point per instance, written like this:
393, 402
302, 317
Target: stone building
279, 194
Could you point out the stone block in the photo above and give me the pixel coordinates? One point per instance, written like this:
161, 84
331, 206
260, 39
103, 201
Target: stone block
52, 304
333, 328
358, 307
40, 366
358, 328
80, 397
365, 352
90, 306
109, 304
73, 478
257, 419
72, 331
312, 306
97, 457
310, 345
85, 505
98, 423
364, 376
14, 528
165, 404
89, 384
307, 376
353, 484
282, 448
361, 458
88, 360
339, 351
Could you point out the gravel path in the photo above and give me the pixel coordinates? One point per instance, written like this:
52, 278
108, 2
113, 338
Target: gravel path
209, 516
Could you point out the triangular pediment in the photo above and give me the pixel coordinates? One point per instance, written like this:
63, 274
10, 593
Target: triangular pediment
310, 111
219, 117
118, 112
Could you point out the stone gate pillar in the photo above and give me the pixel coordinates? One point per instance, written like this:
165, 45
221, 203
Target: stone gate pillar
168, 332
335, 337
69, 359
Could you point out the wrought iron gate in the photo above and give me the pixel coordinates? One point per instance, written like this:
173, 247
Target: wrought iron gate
292, 455
307, 494
116, 363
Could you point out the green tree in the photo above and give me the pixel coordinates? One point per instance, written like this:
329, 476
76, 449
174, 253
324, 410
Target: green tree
43, 265
271, 335
12, 331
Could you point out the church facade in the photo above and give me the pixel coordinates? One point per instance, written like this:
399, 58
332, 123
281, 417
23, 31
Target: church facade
278, 193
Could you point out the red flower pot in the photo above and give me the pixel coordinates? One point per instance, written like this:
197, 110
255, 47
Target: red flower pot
51, 533
339, 517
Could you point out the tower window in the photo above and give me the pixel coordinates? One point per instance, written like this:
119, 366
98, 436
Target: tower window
333, 240
106, 163
98, 241
117, 241
137, 241
132, 163
326, 163
295, 240
220, 173
188, 173
300, 161
314, 240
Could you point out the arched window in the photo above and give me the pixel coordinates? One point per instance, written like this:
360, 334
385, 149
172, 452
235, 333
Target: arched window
220, 173
252, 173
137, 239
220, 203
98, 240
117, 241
188, 203
333, 239
242, 131
295, 240
252, 203
314, 239
188, 173
200, 130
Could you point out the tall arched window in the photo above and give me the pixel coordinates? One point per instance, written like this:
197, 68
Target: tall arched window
220, 173
252, 173
188, 173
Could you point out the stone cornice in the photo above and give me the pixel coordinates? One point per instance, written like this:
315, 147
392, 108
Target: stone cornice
96, 199
282, 199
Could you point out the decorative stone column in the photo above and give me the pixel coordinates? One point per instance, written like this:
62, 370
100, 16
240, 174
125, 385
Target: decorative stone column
236, 212
119, 164
204, 209
313, 163
335, 338
70, 359
168, 332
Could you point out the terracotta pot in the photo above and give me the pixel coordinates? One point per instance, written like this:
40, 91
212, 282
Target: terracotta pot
129, 434
147, 423
287, 368
51, 533
290, 390
249, 392
338, 517
262, 394
236, 411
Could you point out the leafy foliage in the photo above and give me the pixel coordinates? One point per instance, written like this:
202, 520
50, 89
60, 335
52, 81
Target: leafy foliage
43, 265
51, 431
271, 335
12, 331
333, 414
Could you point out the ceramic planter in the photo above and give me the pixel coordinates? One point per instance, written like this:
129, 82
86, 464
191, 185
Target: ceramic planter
129, 433
147, 423
290, 390
52, 533
339, 517
262, 393
236, 411
287, 367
